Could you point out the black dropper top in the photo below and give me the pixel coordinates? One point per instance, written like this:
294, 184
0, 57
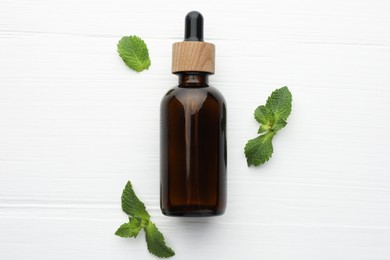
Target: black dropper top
194, 27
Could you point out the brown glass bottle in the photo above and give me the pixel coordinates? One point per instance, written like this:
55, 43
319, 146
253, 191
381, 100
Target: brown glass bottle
193, 131
193, 148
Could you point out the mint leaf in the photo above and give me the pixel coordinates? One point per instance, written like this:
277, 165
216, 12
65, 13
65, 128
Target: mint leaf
259, 149
156, 242
134, 52
279, 125
140, 218
272, 117
264, 115
280, 103
130, 229
131, 204
263, 128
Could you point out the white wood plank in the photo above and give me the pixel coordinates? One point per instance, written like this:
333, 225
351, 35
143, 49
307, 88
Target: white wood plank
76, 124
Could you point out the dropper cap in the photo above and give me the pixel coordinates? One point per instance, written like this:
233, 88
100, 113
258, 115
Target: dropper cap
193, 54
193, 27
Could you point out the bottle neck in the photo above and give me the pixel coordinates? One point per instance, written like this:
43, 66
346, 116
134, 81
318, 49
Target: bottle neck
193, 79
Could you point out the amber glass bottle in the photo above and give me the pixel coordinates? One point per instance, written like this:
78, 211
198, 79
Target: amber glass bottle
193, 131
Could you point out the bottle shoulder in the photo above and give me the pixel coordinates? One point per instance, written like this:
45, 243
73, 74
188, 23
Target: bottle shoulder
217, 94
199, 94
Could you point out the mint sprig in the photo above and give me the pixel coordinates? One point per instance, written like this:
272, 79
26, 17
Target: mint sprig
272, 117
139, 219
130, 229
134, 52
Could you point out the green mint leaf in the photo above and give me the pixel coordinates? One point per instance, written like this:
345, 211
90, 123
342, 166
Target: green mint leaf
272, 118
134, 52
130, 229
156, 242
259, 149
279, 125
264, 115
280, 103
264, 128
131, 204
140, 218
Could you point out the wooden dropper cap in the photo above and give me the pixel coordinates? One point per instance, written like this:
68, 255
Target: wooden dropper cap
193, 54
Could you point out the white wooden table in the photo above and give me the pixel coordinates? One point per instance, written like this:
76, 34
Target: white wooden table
76, 124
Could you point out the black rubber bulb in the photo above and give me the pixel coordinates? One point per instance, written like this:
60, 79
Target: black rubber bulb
194, 27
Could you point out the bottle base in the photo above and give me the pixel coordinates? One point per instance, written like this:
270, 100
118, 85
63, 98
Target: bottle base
186, 212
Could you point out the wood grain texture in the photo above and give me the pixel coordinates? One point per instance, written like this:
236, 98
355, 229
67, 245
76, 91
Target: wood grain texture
76, 124
193, 56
